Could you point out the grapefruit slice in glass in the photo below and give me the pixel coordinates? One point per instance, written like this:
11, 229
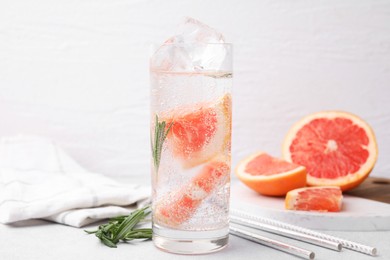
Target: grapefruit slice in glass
200, 132
270, 176
337, 148
326, 199
180, 205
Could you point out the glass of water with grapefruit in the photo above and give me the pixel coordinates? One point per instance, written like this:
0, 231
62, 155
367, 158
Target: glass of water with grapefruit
191, 114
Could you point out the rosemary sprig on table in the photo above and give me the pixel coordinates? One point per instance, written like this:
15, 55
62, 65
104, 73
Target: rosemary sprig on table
122, 228
159, 137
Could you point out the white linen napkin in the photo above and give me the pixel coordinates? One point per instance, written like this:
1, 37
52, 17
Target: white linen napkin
39, 180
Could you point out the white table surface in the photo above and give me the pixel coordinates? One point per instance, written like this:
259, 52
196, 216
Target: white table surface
36, 239
42, 240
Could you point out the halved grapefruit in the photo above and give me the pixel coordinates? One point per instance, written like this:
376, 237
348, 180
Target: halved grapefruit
326, 198
200, 132
180, 205
337, 148
270, 176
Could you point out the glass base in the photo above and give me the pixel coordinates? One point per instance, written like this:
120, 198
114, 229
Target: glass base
190, 242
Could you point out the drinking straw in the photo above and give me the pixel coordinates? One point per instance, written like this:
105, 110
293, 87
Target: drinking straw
345, 243
294, 250
287, 233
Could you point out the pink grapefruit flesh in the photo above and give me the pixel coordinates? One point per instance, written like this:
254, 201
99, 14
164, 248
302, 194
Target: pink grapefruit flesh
200, 132
268, 175
179, 206
326, 199
337, 148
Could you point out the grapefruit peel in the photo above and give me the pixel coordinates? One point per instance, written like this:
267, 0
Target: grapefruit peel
274, 184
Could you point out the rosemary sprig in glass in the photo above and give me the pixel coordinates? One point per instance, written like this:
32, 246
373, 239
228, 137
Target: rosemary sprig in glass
122, 228
157, 144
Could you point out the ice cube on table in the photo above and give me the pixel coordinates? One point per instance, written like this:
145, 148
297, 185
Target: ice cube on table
194, 49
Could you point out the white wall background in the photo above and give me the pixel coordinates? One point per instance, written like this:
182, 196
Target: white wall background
77, 71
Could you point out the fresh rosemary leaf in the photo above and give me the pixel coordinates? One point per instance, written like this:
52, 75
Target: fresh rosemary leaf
166, 133
156, 139
123, 228
107, 242
108, 227
128, 224
145, 233
159, 137
90, 232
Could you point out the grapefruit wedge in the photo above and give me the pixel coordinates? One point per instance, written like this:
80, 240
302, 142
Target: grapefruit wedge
326, 199
270, 176
180, 205
200, 132
337, 148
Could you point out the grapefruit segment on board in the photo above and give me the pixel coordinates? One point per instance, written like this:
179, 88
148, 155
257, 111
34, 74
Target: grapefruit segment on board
270, 176
326, 199
199, 132
337, 148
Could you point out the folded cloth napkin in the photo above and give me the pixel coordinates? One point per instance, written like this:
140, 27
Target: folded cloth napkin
39, 180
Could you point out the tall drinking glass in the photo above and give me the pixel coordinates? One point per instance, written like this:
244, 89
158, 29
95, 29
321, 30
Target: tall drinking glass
191, 115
